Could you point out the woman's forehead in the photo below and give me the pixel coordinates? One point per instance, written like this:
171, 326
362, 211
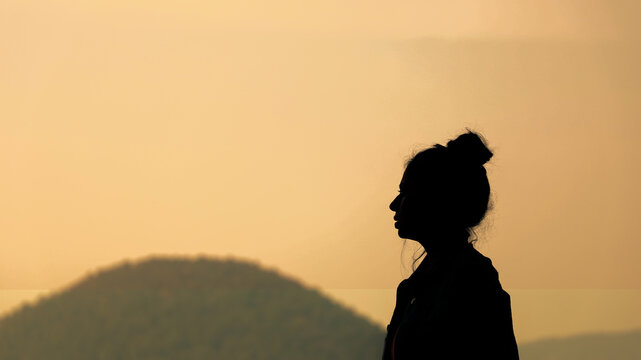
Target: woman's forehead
409, 176
406, 180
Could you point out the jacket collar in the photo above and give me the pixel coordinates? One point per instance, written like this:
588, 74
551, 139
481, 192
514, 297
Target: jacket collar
438, 267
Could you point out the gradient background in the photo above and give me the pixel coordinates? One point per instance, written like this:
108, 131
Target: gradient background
276, 131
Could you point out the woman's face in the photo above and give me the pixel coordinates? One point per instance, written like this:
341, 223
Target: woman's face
413, 211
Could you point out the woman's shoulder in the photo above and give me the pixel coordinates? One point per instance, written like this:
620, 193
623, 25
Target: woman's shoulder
478, 269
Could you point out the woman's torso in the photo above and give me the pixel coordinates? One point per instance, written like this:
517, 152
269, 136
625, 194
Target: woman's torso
454, 309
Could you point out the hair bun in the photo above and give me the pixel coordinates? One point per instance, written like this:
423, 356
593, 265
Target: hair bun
470, 149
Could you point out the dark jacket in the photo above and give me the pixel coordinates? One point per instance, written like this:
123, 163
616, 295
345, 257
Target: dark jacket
453, 310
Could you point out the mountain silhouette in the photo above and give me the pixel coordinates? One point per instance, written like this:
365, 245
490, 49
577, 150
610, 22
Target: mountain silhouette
615, 346
175, 308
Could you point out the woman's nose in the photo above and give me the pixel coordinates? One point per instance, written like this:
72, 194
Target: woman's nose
394, 204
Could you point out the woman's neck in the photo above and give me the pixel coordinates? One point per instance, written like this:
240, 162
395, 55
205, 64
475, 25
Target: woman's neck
442, 246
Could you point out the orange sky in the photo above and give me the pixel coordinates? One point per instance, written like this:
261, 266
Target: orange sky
278, 133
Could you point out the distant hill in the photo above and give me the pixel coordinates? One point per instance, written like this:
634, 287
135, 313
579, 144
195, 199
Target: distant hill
173, 308
619, 346
170, 308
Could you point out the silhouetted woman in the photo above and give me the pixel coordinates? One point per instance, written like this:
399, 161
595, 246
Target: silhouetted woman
452, 306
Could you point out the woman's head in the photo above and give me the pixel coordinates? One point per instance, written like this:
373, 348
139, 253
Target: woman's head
444, 191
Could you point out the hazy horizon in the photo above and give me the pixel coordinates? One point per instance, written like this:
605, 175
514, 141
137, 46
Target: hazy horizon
566, 320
